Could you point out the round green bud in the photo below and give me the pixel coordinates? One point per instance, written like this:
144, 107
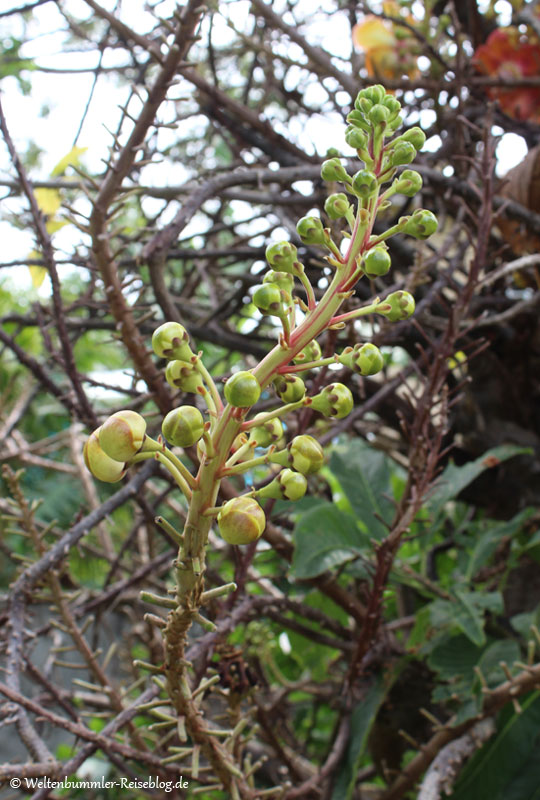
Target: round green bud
357, 119
290, 388
364, 104
242, 390
267, 433
282, 256
122, 435
408, 183
332, 152
333, 170
102, 466
421, 224
403, 153
305, 454
376, 262
311, 230
375, 93
378, 114
284, 280
356, 138
171, 341
183, 426
288, 485
241, 520
397, 306
364, 359
364, 183
335, 400
337, 205
311, 352
184, 375
393, 105
415, 136
267, 298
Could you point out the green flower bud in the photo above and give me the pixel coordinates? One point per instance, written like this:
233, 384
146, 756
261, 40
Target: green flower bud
267, 298
415, 136
397, 306
403, 153
408, 183
288, 485
267, 433
364, 183
375, 93
376, 262
242, 390
282, 256
422, 224
311, 352
357, 119
102, 466
289, 387
241, 520
304, 454
184, 375
311, 230
364, 104
333, 170
337, 205
393, 105
365, 359
183, 426
284, 280
171, 341
356, 138
378, 114
335, 400
122, 435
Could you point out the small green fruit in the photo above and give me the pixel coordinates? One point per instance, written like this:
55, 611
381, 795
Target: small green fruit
102, 466
183, 426
241, 520
122, 435
242, 390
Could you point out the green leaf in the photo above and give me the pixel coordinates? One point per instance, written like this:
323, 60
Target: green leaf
325, 537
454, 479
362, 720
365, 475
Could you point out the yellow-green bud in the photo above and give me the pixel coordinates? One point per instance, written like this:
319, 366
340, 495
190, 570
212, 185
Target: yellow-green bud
421, 224
393, 105
288, 485
242, 390
102, 466
268, 299
403, 153
337, 205
375, 93
408, 183
304, 454
171, 341
376, 262
183, 426
397, 306
184, 375
289, 387
355, 137
267, 433
282, 256
364, 183
335, 400
311, 352
311, 230
357, 119
333, 170
365, 359
415, 136
241, 520
284, 280
122, 435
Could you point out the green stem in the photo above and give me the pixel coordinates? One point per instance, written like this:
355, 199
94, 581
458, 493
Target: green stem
277, 412
162, 458
216, 397
323, 362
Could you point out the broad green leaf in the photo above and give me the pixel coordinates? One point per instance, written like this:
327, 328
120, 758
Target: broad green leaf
365, 475
469, 612
455, 657
454, 479
488, 541
71, 159
325, 537
362, 720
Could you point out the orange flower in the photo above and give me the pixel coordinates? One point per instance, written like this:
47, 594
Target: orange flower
509, 54
389, 49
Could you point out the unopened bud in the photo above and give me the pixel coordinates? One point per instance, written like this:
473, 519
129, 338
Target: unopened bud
183, 426
335, 400
102, 466
311, 352
403, 153
241, 520
421, 224
282, 256
378, 114
311, 230
288, 485
356, 138
122, 435
333, 170
415, 136
267, 433
171, 341
376, 262
397, 306
268, 299
408, 183
284, 280
364, 183
290, 388
365, 359
183, 375
242, 390
337, 205
305, 454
